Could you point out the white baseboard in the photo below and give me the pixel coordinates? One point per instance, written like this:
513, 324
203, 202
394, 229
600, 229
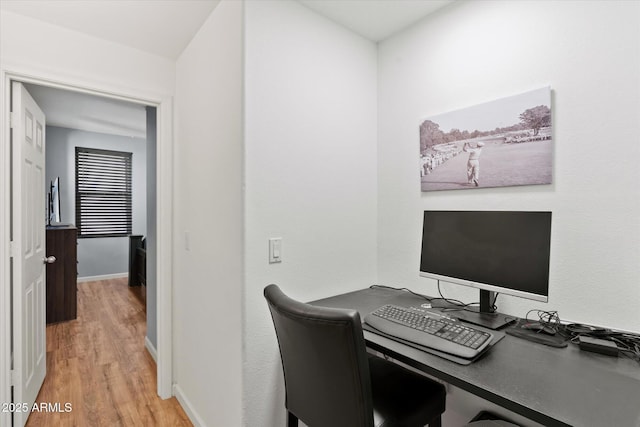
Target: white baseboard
103, 277
151, 349
188, 408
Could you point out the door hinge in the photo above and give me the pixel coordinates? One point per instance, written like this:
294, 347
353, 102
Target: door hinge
13, 379
12, 249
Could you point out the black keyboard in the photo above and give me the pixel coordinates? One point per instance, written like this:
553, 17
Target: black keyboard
429, 330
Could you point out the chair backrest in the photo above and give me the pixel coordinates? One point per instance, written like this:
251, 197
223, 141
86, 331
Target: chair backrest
324, 359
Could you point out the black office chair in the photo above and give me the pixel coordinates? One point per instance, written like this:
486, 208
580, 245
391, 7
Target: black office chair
330, 380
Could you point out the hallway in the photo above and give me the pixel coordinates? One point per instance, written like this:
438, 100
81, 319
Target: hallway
99, 372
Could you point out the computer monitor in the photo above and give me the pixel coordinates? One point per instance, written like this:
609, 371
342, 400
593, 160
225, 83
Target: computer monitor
494, 251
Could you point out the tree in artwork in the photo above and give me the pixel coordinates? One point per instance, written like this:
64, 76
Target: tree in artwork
536, 118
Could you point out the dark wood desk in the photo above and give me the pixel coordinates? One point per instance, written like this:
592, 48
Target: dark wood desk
552, 386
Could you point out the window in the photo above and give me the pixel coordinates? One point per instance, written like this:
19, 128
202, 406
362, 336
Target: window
103, 193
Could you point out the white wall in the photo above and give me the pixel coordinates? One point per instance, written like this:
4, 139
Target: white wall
313, 175
48, 52
38, 49
208, 276
310, 175
473, 52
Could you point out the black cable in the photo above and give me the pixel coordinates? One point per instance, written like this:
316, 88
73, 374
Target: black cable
628, 344
465, 307
429, 299
494, 307
459, 305
548, 319
403, 289
450, 300
579, 329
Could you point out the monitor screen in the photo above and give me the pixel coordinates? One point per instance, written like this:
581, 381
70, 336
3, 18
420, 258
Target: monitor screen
54, 202
498, 251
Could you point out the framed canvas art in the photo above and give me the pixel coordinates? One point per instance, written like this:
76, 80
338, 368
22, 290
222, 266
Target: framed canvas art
506, 142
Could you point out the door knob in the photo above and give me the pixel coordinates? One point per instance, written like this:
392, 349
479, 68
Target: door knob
49, 260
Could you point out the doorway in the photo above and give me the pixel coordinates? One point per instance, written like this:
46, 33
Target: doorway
163, 203
98, 152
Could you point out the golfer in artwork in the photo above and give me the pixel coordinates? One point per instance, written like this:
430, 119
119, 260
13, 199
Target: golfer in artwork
473, 164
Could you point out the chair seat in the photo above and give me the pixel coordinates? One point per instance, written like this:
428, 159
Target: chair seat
403, 398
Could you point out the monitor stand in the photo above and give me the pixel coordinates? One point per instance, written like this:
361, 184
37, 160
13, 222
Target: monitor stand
486, 316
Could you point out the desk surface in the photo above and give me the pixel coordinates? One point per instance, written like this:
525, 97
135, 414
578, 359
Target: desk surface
552, 386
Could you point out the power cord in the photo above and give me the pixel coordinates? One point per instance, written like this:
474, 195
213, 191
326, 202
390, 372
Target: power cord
628, 344
463, 306
455, 302
403, 289
459, 305
548, 319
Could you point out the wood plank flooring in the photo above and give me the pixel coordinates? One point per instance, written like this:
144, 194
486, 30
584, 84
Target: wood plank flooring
99, 365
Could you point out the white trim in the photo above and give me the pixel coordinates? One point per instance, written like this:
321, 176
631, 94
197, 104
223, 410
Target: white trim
5, 249
164, 177
151, 349
102, 277
187, 406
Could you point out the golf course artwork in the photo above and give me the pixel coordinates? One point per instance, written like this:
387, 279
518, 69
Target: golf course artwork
506, 142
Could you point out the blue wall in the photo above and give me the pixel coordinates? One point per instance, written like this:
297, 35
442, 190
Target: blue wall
97, 256
152, 327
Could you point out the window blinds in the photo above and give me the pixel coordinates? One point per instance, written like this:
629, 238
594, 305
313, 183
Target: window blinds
103, 193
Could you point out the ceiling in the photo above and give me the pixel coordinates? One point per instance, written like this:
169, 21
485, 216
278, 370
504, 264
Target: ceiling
76, 110
165, 28
376, 20
161, 27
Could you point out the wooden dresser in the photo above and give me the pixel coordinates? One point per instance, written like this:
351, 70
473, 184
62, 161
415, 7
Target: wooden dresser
62, 275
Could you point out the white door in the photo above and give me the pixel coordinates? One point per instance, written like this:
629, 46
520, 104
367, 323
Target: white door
28, 234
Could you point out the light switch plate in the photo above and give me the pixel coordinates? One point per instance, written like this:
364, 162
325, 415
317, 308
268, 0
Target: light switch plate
275, 250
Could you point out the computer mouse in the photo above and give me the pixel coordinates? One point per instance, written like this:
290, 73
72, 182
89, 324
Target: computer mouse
539, 327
